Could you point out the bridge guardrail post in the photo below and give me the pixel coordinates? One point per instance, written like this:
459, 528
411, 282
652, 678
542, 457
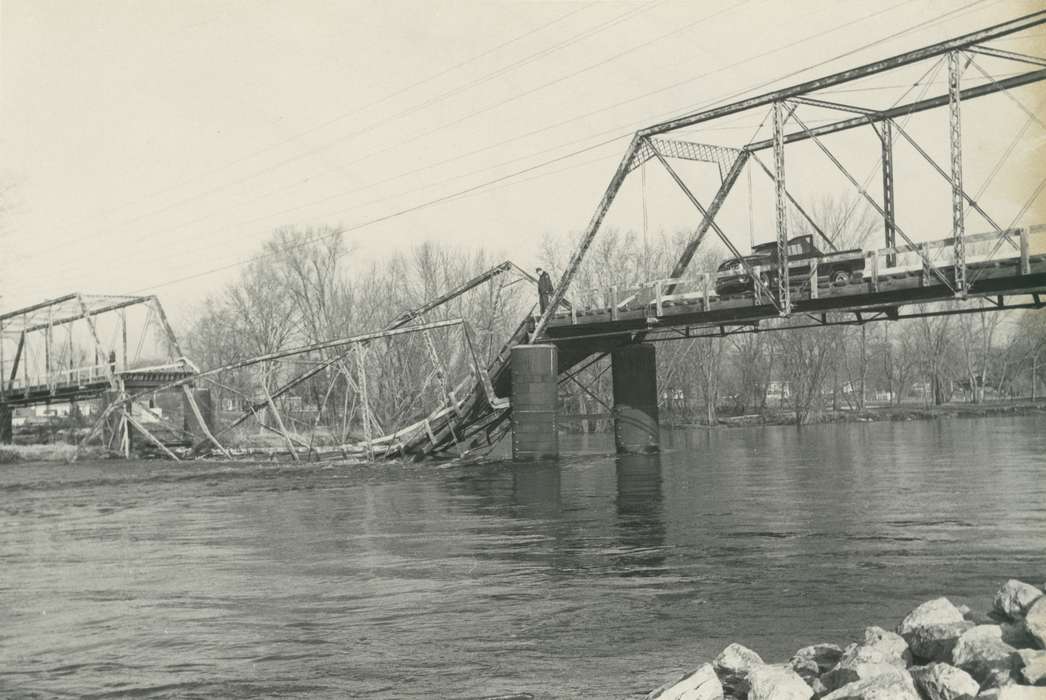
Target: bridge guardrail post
924, 251
1025, 263
813, 279
657, 292
705, 280
613, 302
873, 263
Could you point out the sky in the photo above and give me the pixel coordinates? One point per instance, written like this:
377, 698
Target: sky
152, 146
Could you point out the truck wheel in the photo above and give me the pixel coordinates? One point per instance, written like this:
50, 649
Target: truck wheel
840, 277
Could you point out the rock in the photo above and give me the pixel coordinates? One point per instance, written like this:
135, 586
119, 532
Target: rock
980, 651
700, 684
824, 656
938, 611
888, 687
944, 682
807, 669
859, 662
1035, 622
1014, 598
777, 683
934, 642
818, 687
890, 643
1016, 635
1034, 666
733, 666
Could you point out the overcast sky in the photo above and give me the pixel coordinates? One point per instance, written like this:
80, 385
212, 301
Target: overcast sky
146, 142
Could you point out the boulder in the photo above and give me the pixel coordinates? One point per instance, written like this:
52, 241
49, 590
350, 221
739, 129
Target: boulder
824, 656
981, 652
777, 683
700, 684
1033, 670
1014, 598
1016, 635
859, 662
888, 687
1035, 622
938, 611
807, 669
934, 642
889, 643
733, 665
944, 682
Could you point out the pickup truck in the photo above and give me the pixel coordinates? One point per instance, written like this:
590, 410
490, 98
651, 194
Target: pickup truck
838, 267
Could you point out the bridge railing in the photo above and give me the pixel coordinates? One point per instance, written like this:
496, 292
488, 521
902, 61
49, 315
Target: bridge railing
73, 376
808, 276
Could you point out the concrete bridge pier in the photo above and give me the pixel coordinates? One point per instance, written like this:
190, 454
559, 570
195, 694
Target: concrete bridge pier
636, 428
6, 424
535, 402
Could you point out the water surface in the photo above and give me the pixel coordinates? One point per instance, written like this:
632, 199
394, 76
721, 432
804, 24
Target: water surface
596, 576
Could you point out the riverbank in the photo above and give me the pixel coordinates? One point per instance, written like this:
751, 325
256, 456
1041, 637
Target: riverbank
58, 452
939, 651
877, 414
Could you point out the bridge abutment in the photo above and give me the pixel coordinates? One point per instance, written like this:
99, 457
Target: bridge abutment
535, 402
636, 428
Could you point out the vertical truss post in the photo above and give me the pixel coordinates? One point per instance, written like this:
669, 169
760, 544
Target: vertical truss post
123, 333
886, 136
955, 140
48, 348
783, 296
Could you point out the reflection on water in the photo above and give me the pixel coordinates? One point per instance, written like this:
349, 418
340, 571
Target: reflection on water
595, 576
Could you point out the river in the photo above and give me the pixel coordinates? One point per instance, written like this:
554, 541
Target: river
596, 576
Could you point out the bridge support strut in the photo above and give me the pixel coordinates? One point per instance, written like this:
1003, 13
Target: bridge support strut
636, 429
535, 399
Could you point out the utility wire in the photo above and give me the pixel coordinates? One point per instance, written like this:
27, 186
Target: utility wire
705, 74
448, 197
373, 125
350, 113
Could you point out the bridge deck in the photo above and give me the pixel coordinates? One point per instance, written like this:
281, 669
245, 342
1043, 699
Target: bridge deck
85, 383
688, 306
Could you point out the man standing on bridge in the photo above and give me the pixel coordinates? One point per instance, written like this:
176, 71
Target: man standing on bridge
544, 288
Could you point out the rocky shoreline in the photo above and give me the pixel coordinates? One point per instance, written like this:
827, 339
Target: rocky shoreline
939, 651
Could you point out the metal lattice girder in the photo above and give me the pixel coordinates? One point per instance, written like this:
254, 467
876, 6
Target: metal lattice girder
955, 142
889, 216
686, 150
784, 298
802, 89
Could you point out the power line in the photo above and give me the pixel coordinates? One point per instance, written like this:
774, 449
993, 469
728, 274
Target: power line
574, 153
540, 165
350, 113
643, 96
376, 124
